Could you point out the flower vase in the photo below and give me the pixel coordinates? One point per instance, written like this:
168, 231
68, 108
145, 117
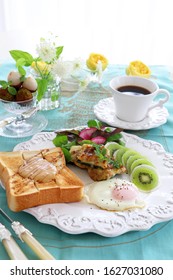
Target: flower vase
51, 97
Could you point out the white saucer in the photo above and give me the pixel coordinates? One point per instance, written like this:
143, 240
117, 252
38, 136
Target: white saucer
105, 112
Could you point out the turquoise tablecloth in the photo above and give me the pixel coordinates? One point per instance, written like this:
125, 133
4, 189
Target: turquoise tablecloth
155, 243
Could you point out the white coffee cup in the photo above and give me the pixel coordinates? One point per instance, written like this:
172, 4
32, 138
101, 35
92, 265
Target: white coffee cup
131, 106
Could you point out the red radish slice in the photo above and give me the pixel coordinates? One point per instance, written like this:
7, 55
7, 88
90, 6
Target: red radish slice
99, 140
87, 133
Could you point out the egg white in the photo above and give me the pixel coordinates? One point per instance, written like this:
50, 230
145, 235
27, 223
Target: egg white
100, 194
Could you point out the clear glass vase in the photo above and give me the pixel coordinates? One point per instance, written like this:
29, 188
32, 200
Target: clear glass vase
51, 98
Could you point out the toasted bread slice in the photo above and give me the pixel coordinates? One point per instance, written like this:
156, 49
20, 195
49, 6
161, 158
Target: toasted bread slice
33, 178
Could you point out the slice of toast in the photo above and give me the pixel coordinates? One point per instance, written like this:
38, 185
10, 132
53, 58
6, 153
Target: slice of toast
33, 178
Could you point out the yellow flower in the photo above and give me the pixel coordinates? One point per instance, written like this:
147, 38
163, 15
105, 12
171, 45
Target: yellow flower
41, 67
93, 60
138, 68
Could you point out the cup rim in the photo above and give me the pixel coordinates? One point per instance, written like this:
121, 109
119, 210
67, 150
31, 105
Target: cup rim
151, 83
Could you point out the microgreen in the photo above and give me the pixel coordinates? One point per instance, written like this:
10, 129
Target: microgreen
85, 142
114, 137
60, 140
94, 123
101, 154
66, 154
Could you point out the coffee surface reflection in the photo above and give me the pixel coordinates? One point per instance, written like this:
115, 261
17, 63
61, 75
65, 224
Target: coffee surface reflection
134, 90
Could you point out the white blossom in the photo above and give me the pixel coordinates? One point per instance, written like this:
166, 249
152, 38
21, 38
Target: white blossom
77, 64
84, 83
61, 68
46, 51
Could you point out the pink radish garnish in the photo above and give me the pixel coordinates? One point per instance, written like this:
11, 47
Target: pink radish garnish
98, 140
86, 133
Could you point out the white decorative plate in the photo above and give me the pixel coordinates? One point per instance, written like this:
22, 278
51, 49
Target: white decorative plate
80, 217
105, 112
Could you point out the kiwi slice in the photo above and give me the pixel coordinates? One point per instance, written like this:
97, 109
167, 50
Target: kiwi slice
140, 161
112, 147
145, 177
118, 154
131, 160
128, 154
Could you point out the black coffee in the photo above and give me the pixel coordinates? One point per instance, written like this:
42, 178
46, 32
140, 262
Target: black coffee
134, 90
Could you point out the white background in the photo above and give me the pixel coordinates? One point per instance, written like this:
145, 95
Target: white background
122, 30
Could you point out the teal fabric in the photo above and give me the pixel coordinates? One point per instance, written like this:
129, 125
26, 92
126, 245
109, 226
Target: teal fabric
76, 109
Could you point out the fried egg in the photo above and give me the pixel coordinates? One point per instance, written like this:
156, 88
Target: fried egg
114, 195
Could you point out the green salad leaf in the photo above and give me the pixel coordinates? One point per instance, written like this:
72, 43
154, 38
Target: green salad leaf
94, 123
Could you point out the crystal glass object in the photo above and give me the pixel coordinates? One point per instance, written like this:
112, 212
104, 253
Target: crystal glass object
51, 98
22, 127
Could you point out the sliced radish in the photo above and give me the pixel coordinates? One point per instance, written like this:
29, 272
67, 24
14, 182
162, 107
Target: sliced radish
98, 140
86, 133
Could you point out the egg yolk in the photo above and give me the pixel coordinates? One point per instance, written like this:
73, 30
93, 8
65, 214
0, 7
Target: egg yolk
124, 192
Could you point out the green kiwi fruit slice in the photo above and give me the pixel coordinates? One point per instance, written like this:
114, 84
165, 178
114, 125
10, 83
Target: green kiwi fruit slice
112, 147
128, 154
118, 154
131, 160
140, 161
145, 177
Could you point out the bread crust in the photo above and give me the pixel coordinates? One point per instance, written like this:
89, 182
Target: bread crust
24, 192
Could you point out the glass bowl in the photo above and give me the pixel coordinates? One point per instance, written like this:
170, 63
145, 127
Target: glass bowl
21, 126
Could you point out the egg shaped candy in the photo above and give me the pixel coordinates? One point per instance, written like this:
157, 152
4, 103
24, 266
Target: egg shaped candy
30, 83
14, 78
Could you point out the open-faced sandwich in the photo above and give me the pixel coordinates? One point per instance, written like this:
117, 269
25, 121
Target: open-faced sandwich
33, 178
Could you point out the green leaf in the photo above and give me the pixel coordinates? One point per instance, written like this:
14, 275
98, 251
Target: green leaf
104, 151
22, 78
12, 90
121, 143
4, 84
108, 129
114, 137
17, 54
69, 145
94, 123
21, 71
60, 140
115, 163
54, 95
85, 142
42, 87
20, 62
66, 154
59, 51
